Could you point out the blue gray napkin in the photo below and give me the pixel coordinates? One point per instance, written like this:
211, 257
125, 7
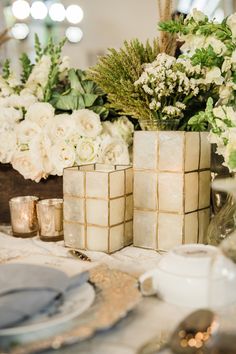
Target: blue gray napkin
26, 290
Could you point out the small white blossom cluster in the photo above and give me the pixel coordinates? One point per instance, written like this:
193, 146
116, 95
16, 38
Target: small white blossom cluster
223, 134
42, 143
221, 75
170, 84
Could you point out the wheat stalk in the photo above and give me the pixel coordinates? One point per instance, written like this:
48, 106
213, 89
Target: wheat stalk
4, 36
167, 40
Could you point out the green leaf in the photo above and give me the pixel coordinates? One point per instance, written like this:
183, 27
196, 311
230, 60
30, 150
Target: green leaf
103, 112
81, 102
38, 48
68, 102
6, 69
89, 99
27, 67
232, 159
74, 81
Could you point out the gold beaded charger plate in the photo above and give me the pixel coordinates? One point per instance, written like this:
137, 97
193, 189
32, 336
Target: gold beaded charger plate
116, 294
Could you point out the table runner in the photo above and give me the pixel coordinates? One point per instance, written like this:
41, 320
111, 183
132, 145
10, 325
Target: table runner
151, 318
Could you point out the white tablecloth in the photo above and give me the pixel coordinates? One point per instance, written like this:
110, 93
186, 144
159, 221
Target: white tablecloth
151, 318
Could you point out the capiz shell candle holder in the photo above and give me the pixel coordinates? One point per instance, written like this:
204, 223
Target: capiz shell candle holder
98, 207
171, 188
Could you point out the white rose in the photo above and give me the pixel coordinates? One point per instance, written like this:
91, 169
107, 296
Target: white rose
27, 165
27, 100
231, 22
87, 151
19, 101
61, 155
114, 151
39, 147
121, 128
125, 129
7, 146
218, 46
40, 113
62, 126
26, 131
108, 128
9, 118
87, 123
214, 76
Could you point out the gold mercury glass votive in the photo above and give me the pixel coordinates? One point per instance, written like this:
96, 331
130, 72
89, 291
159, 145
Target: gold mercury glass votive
50, 219
23, 216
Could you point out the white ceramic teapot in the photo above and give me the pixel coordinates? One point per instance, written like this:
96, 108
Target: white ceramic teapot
193, 275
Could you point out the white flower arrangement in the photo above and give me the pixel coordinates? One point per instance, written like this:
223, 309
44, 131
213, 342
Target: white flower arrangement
171, 85
44, 130
212, 46
44, 143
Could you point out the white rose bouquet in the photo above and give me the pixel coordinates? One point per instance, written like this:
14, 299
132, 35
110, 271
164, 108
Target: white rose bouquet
53, 118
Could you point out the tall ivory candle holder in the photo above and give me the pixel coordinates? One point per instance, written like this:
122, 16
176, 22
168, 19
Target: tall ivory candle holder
98, 207
171, 188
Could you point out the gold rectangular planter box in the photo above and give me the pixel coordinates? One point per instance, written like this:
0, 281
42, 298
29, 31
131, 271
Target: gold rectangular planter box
98, 207
171, 188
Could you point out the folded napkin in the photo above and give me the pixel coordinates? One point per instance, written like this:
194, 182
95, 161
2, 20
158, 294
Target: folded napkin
26, 290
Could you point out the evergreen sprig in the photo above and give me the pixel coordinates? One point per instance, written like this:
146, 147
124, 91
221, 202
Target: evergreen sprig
27, 67
6, 70
116, 73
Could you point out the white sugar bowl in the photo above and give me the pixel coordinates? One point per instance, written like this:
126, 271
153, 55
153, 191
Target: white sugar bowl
193, 275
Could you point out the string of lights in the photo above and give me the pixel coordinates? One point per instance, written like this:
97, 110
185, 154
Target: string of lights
23, 10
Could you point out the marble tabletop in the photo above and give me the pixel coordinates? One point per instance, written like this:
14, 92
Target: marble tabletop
151, 318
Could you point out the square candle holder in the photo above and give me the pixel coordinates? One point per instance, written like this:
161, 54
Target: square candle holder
98, 207
171, 188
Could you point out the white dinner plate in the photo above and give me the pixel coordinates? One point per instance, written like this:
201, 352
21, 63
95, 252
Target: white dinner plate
78, 300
